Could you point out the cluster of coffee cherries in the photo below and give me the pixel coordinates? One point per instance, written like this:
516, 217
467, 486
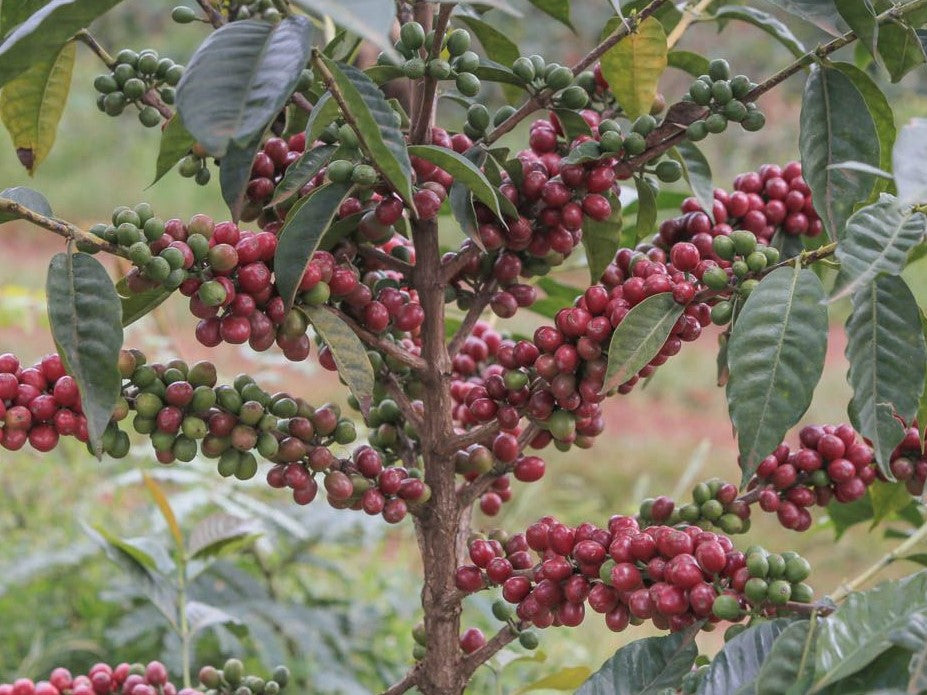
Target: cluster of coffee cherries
673, 576
102, 679
567, 91
267, 170
232, 679
414, 45
724, 95
133, 75
832, 462
39, 404
715, 504
909, 463
766, 201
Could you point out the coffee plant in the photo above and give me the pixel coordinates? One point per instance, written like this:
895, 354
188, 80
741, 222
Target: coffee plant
337, 182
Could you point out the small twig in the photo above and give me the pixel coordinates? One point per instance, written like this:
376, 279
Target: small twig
477, 435
215, 17
59, 227
626, 28
473, 660
371, 253
402, 400
480, 302
458, 262
301, 102
420, 131
406, 684
414, 362
689, 15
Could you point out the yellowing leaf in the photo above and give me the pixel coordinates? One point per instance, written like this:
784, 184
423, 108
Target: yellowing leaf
32, 103
634, 65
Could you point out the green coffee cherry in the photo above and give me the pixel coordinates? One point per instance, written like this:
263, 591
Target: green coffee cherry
721, 315
735, 111
438, 69
364, 175
756, 261
478, 117
468, 61
558, 77
528, 639
414, 68
716, 123
697, 130
412, 35
458, 42
523, 68
149, 117
744, 242
114, 103
644, 125
715, 278
741, 86
700, 93
611, 141
669, 171
574, 97
753, 121
340, 171
468, 84
634, 144
726, 607
719, 69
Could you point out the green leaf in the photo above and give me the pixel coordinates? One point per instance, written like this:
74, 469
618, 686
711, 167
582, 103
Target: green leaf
491, 71
918, 666
900, 49
908, 162
640, 336
881, 111
858, 631
863, 169
877, 240
137, 305
775, 355
822, 14
766, 22
176, 142
348, 351
498, 47
887, 500
217, 533
861, 18
42, 35
201, 616
633, 67
235, 173
32, 103
689, 62
300, 236
789, 666
465, 171
377, 131
14, 13
828, 137
887, 675
301, 172
381, 74
646, 666
568, 678
697, 173
324, 113
843, 516
601, 241
28, 198
647, 209
887, 353
371, 19
460, 201
573, 124
582, 153
86, 323
164, 506
240, 78
739, 661
558, 9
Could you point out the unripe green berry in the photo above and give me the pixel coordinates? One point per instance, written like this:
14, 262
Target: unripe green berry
173, 75
157, 269
414, 68
105, 84
340, 171
635, 144
802, 593
740, 86
771, 253
744, 242
114, 103
412, 35
558, 77
756, 589
524, 69
700, 93
754, 121
644, 125
739, 268
438, 69
611, 141
715, 278
669, 171
364, 175
780, 591
478, 117
735, 111
528, 639
149, 117
697, 130
719, 69
468, 61
716, 123
723, 246
468, 84
797, 569
540, 65
726, 607
756, 261
458, 42
712, 509
757, 565
776, 565
574, 97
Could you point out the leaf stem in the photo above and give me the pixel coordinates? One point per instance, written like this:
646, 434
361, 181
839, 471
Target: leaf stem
59, 227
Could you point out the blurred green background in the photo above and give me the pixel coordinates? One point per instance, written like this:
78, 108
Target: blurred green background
334, 593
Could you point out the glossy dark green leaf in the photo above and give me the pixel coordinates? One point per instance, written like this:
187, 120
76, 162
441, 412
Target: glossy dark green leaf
601, 241
647, 209
235, 173
176, 142
14, 13
348, 351
647, 666
789, 666
913, 637
887, 499
739, 661
697, 173
584, 152
240, 78
498, 47
137, 305
900, 49
301, 172
86, 322
573, 124
217, 532
829, 137
42, 35
371, 19
859, 630
464, 171
324, 113
28, 198
886, 675
689, 62
640, 336
300, 236
377, 131
765, 21
877, 240
908, 161
776, 355
381, 74
881, 111
861, 18
491, 71
887, 354
821, 13
558, 9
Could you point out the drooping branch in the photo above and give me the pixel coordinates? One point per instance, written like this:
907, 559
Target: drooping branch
405, 357
59, 227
